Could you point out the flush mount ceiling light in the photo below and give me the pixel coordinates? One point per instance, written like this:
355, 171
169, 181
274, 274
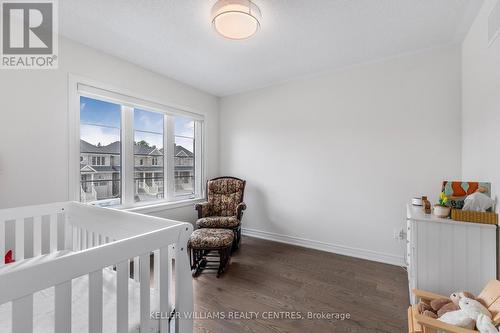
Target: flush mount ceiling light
236, 19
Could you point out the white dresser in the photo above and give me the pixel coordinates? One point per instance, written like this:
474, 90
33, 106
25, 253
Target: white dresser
444, 256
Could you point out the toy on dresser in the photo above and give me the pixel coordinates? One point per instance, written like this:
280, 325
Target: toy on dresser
426, 205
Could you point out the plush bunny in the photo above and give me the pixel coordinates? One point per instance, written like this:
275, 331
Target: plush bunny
472, 313
458, 318
479, 313
484, 324
438, 307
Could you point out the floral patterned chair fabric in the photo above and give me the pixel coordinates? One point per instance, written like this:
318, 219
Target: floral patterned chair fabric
224, 207
224, 198
211, 238
227, 222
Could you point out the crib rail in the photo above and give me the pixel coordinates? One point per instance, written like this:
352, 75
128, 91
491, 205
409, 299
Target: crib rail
115, 238
32, 231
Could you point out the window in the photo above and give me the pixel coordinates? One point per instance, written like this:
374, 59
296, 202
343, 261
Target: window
148, 148
100, 133
97, 160
184, 163
133, 152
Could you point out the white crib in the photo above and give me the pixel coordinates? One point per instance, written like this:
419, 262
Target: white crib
72, 271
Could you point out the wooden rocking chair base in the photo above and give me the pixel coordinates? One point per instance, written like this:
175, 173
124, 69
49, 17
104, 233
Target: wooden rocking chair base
201, 260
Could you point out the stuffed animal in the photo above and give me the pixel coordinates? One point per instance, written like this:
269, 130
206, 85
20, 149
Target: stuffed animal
484, 324
458, 318
471, 314
438, 307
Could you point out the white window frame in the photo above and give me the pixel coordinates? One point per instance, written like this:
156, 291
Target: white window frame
80, 86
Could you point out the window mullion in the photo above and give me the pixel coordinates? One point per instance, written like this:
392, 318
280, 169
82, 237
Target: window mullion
198, 159
127, 162
169, 141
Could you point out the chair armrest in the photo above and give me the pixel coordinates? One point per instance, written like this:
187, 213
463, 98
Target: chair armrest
439, 325
203, 209
239, 210
426, 295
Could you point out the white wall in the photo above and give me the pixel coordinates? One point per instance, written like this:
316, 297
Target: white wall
331, 160
481, 103
34, 120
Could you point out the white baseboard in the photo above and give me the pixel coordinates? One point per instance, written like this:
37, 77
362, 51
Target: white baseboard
385, 258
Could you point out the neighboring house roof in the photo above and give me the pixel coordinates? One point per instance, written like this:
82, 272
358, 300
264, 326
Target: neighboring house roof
86, 168
98, 168
112, 148
182, 152
147, 151
115, 147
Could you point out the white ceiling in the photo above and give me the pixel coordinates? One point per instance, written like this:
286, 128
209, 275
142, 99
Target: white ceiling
298, 37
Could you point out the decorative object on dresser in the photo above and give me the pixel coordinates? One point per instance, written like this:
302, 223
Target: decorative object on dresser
426, 205
471, 202
474, 217
224, 207
417, 201
445, 255
440, 209
457, 191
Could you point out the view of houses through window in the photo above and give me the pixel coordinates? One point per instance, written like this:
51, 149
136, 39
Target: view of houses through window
184, 156
101, 153
148, 156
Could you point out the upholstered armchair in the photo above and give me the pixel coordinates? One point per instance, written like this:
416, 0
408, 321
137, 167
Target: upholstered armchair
224, 206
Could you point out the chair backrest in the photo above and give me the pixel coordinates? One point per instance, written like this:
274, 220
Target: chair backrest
490, 297
224, 194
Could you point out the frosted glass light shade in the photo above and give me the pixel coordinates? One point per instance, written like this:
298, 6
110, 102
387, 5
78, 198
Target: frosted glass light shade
236, 19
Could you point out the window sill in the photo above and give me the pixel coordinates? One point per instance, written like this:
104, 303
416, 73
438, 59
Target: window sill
158, 207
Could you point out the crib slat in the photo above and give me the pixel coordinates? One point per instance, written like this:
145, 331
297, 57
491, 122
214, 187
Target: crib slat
76, 238
163, 286
183, 286
122, 277
62, 307
156, 268
84, 239
22, 315
136, 269
46, 234
95, 302
145, 292
67, 233
88, 237
37, 236
53, 240
19, 236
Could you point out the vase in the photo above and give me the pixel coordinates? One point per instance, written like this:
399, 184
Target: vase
442, 211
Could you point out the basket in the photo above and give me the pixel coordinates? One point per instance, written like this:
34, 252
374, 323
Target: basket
474, 217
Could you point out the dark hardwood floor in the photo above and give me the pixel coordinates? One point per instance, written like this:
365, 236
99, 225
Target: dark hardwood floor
270, 278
